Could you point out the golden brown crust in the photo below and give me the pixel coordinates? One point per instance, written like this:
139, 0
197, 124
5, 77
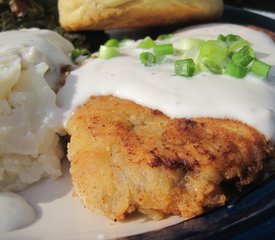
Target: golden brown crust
110, 14
125, 157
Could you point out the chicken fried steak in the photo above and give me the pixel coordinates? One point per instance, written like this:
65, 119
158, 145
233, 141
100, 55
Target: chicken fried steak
126, 157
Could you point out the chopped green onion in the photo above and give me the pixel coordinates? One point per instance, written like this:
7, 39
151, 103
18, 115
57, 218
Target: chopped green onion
164, 36
112, 43
185, 67
187, 43
164, 49
234, 70
244, 56
160, 59
76, 53
221, 38
260, 68
214, 50
178, 52
213, 66
230, 54
106, 52
146, 43
147, 59
214, 55
235, 46
191, 53
230, 38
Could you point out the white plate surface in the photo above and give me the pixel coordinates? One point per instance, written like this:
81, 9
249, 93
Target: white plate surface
61, 216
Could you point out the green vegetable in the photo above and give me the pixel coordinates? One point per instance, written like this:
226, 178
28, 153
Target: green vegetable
106, 52
112, 43
235, 70
214, 55
185, 67
221, 38
28, 13
164, 49
147, 59
160, 58
76, 53
230, 38
235, 46
213, 66
146, 43
260, 68
228, 54
244, 56
164, 36
187, 43
214, 50
192, 53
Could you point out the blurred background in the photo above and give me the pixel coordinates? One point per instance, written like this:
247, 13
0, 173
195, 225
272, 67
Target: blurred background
16, 14
266, 5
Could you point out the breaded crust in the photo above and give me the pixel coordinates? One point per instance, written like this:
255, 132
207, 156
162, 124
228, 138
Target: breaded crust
125, 157
109, 14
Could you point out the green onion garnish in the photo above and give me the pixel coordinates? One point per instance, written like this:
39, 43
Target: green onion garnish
215, 50
164, 36
230, 54
191, 53
160, 58
230, 38
221, 38
76, 53
214, 55
187, 43
146, 43
147, 59
185, 67
244, 56
235, 46
164, 49
213, 66
112, 43
260, 68
235, 70
106, 52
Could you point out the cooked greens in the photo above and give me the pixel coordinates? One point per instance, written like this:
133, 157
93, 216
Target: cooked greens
28, 13
16, 14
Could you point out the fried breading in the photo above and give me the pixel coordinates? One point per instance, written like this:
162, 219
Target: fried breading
126, 157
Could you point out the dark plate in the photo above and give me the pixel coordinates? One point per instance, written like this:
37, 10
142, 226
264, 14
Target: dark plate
253, 216
240, 16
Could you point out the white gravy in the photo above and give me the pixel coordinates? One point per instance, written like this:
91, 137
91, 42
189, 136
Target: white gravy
250, 100
15, 212
36, 45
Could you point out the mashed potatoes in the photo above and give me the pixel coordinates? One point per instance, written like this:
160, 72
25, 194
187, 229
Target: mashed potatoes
30, 121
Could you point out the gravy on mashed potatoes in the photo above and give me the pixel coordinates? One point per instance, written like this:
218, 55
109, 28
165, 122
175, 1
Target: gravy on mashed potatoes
30, 63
